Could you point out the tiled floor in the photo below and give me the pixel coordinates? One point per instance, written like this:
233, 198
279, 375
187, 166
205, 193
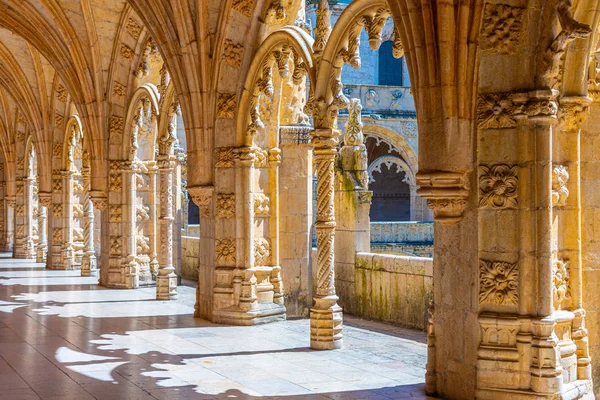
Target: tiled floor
64, 337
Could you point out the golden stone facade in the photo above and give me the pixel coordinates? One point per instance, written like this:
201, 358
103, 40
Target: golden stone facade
97, 101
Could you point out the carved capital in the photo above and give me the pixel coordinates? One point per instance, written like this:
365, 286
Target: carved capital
11, 201
446, 193
202, 196
537, 106
99, 199
572, 112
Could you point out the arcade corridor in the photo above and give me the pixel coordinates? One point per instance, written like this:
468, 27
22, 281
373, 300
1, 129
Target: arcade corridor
63, 336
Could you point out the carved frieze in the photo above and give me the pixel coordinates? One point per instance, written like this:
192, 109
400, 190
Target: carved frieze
262, 251
501, 28
498, 282
261, 205
226, 105
225, 205
99, 200
498, 186
225, 250
560, 192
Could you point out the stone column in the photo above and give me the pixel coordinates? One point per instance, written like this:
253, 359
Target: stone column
67, 251
275, 278
129, 272
20, 234
152, 223
166, 280
352, 206
88, 261
29, 244
45, 200
296, 216
3, 214
9, 203
326, 314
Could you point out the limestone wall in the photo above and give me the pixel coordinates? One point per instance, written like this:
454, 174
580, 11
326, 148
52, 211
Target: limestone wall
401, 232
190, 247
391, 288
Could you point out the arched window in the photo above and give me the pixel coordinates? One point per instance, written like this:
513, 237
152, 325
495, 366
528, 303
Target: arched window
390, 68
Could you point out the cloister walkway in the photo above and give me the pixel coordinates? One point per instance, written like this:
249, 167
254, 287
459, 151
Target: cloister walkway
63, 336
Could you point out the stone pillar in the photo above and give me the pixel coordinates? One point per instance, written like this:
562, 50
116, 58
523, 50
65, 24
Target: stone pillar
100, 203
3, 215
88, 261
166, 280
67, 251
129, 272
202, 196
152, 223
352, 206
20, 222
9, 203
45, 200
326, 314
275, 276
296, 218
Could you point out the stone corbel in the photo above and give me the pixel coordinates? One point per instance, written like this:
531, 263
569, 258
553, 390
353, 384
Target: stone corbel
446, 193
99, 199
202, 196
45, 199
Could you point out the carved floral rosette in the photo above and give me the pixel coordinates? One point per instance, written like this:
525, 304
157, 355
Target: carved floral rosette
498, 282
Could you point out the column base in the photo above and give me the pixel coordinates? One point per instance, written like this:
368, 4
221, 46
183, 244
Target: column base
326, 324
41, 255
88, 265
581, 389
166, 287
264, 313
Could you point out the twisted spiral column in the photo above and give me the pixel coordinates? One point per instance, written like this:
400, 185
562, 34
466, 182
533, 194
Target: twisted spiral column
166, 280
326, 314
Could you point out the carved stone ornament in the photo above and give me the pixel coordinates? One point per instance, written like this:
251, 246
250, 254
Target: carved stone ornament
262, 251
225, 205
572, 113
501, 28
498, 186
133, 28
226, 105
225, 250
45, 199
560, 280
115, 213
446, 193
261, 205
560, 177
57, 149
232, 53
61, 93
244, 7
99, 200
498, 282
495, 111
202, 197
116, 244
119, 90
126, 52
115, 182
224, 157
365, 197
550, 76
